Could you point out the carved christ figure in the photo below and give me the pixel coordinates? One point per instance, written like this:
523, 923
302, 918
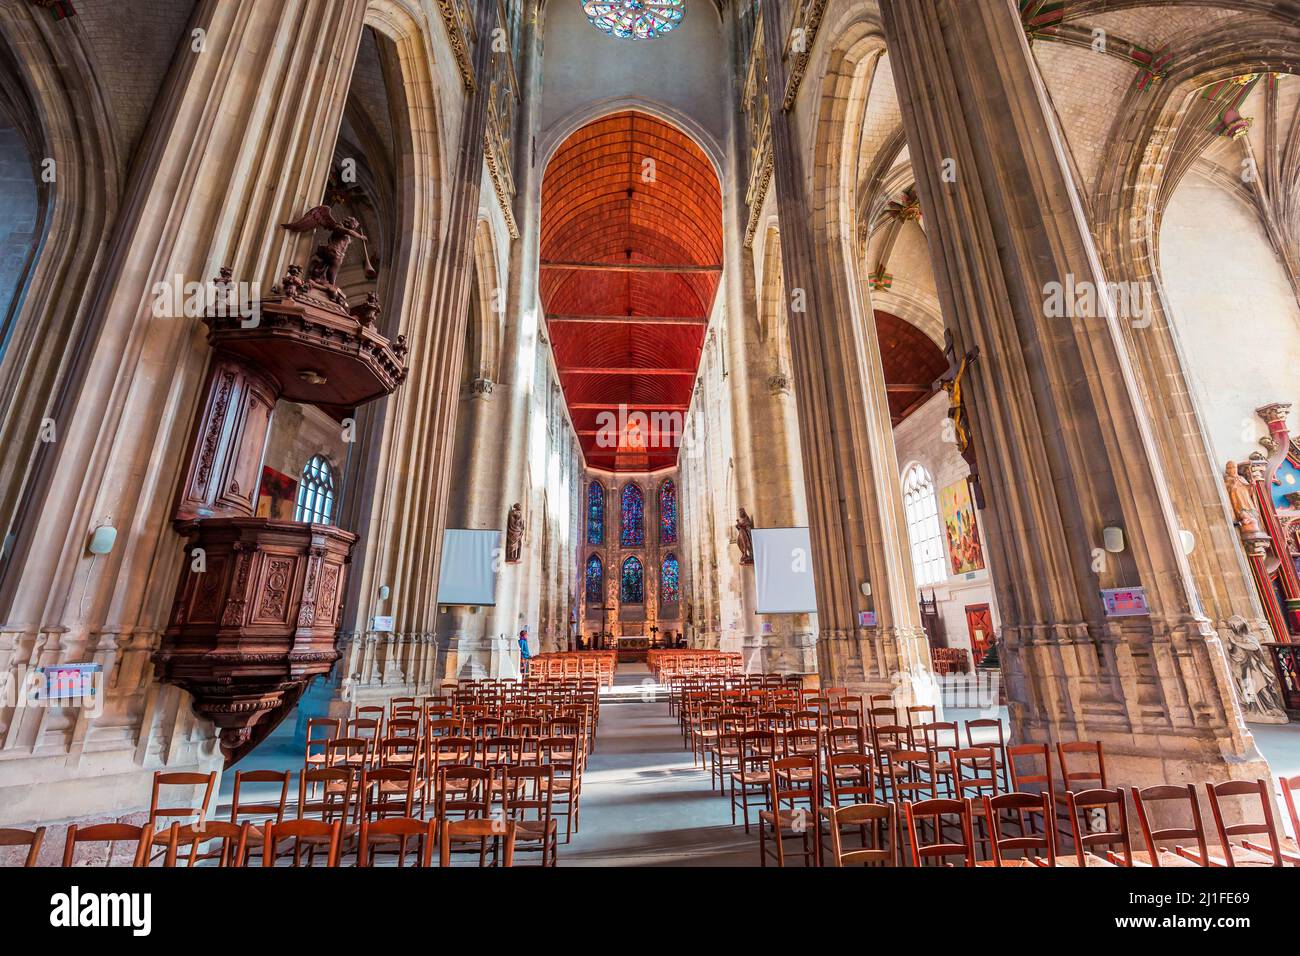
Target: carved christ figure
514, 534
745, 537
951, 383
327, 260
1241, 500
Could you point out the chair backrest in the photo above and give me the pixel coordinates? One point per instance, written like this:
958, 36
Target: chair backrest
794, 781
1266, 827
349, 751
875, 821
974, 772
846, 740
1168, 796
334, 786
1020, 754
940, 849
526, 793
241, 808
464, 790
387, 792
233, 836
402, 727
1291, 787
298, 830
1089, 768
850, 777
402, 829
29, 838
186, 781
481, 830
1114, 832
1034, 820
110, 833
981, 724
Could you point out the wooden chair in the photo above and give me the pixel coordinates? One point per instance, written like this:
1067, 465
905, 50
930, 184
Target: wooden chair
1080, 806
974, 775
1156, 855
304, 832
561, 754
757, 751
1083, 774
497, 830
397, 830
941, 738
112, 834
320, 730
997, 740
876, 826
161, 816
908, 775
794, 798
939, 849
328, 794
232, 851
1248, 852
526, 794
1030, 781
850, 778
1032, 839
257, 813
29, 838
387, 792
1290, 846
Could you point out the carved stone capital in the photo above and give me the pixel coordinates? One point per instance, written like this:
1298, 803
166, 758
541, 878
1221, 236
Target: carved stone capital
779, 384
481, 388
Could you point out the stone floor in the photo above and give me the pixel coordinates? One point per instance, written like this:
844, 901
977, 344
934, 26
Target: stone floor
643, 804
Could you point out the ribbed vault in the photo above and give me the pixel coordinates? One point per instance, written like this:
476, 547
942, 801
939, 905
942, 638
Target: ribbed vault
631, 253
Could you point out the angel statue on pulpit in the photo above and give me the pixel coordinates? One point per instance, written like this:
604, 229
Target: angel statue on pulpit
327, 260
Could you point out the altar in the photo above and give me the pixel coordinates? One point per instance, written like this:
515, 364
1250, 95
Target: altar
633, 649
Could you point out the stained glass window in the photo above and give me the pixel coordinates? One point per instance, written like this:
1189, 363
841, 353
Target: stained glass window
315, 492
633, 535
634, 19
595, 513
595, 580
670, 588
668, 512
631, 583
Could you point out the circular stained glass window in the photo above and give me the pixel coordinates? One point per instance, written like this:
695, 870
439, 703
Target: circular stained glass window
635, 19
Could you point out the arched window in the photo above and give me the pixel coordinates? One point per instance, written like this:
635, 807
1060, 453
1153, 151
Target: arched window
670, 587
595, 580
923, 529
631, 583
667, 512
316, 492
595, 513
633, 513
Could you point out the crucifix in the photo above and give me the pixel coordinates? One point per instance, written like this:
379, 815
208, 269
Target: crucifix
951, 382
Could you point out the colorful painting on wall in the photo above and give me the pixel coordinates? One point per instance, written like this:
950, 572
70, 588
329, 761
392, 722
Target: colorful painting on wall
278, 496
960, 529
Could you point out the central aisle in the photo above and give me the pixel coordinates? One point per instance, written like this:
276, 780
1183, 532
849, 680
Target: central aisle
643, 804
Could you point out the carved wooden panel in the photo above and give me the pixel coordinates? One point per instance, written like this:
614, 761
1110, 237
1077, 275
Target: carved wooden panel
225, 461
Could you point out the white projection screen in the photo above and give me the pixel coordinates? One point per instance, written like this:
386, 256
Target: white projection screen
783, 571
468, 575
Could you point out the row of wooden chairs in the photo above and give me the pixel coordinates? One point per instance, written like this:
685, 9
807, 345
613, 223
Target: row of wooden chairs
239, 840
599, 665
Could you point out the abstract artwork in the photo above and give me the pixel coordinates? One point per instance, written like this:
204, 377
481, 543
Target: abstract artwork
960, 528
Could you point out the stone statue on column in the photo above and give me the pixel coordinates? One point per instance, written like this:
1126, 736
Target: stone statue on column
1244, 513
745, 537
514, 534
1256, 687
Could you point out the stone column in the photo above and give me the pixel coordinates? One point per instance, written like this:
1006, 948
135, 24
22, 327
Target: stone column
1063, 440
241, 141
854, 498
417, 450
769, 483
